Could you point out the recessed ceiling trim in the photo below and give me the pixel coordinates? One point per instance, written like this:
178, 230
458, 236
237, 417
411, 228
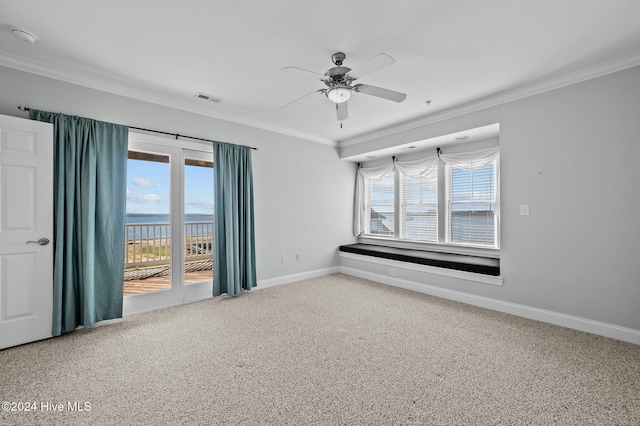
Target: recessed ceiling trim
470, 135
510, 95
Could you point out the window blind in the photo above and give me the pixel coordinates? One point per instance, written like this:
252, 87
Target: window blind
419, 207
470, 200
380, 205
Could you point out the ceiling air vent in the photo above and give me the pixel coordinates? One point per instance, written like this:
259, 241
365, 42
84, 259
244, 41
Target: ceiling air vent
208, 97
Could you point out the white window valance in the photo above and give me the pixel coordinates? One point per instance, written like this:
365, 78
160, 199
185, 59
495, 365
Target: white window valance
377, 172
417, 168
479, 158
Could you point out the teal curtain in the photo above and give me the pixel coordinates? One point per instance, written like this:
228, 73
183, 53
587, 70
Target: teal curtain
235, 260
90, 169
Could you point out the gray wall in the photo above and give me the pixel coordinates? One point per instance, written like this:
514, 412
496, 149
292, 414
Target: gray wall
304, 192
573, 155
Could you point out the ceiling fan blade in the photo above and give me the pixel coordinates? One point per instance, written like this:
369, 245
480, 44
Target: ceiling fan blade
301, 98
342, 111
305, 73
379, 92
373, 64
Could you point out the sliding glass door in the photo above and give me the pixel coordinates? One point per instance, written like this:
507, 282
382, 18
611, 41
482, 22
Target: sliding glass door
147, 260
169, 231
197, 190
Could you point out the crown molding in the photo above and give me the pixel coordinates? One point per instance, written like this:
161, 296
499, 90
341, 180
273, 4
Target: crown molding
503, 97
106, 83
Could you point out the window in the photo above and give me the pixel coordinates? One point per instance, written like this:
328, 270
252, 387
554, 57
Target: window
418, 201
448, 200
471, 215
380, 205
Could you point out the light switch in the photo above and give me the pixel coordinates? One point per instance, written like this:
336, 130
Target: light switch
524, 209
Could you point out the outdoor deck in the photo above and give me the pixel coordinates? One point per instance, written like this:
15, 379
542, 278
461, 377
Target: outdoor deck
132, 287
148, 256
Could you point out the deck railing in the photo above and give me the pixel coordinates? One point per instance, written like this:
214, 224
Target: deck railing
149, 244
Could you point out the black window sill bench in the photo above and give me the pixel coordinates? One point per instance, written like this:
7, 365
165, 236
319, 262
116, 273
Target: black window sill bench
459, 262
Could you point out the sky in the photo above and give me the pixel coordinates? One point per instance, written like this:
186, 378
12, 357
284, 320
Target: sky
148, 188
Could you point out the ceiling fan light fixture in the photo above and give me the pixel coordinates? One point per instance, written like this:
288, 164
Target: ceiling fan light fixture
338, 94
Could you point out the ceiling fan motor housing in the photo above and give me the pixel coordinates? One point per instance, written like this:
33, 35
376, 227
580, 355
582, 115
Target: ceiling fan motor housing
338, 75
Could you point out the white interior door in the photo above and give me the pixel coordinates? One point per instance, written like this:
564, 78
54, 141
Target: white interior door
26, 230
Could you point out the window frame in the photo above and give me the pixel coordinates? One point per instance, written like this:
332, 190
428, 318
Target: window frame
369, 204
441, 245
402, 205
450, 202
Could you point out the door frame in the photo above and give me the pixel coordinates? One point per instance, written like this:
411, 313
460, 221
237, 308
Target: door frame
178, 294
203, 289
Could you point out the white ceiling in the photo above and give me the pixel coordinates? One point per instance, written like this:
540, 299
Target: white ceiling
455, 53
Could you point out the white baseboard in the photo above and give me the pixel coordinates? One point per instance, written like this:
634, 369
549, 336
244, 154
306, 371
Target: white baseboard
569, 321
272, 282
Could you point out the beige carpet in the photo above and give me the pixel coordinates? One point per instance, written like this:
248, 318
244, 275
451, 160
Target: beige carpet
333, 350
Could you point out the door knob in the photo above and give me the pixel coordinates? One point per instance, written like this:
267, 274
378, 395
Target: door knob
41, 242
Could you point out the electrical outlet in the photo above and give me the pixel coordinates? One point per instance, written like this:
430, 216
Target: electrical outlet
524, 209
392, 272
284, 258
297, 257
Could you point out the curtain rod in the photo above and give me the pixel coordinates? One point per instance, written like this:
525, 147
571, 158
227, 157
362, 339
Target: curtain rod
177, 135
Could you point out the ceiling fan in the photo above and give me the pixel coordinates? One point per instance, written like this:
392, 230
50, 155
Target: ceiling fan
339, 81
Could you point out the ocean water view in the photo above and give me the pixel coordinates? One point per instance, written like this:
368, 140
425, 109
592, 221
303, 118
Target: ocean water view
145, 218
476, 228
149, 225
